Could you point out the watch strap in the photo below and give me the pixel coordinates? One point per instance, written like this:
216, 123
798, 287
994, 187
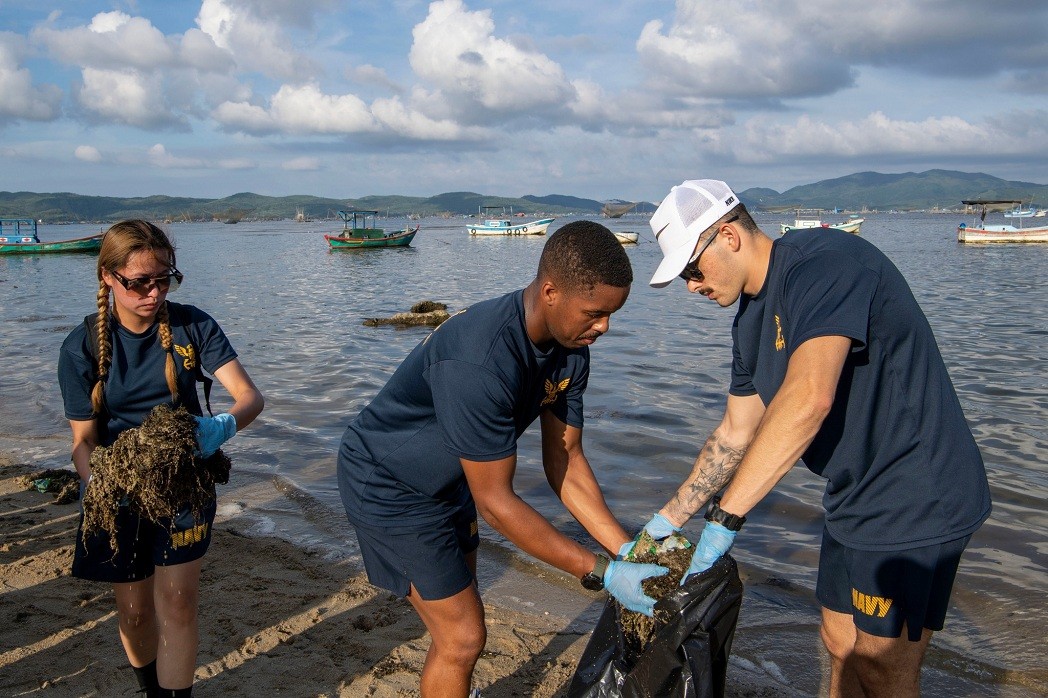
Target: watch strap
601, 566
594, 580
714, 513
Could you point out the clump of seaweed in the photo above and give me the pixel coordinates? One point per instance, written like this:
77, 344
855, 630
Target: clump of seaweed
673, 552
428, 307
64, 484
430, 313
153, 468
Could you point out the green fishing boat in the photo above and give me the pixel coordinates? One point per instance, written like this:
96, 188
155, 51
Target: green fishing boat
359, 231
18, 236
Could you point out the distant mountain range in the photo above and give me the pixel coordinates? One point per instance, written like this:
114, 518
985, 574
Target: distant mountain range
909, 191
934, 189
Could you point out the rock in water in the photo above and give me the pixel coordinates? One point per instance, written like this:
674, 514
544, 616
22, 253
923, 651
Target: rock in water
428, 313
428, 307
153, 469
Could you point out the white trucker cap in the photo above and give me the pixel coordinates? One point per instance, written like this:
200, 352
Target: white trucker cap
687, 211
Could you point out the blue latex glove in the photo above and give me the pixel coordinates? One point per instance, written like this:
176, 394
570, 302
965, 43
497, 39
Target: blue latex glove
622, 580
660, 527
714, 542
212, 432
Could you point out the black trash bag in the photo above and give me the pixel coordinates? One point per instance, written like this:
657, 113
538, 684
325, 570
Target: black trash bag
686, 658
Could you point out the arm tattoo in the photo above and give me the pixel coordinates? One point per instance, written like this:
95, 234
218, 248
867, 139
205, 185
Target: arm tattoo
714, 468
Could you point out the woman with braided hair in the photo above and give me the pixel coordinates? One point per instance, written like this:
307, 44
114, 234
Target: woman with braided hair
139, 351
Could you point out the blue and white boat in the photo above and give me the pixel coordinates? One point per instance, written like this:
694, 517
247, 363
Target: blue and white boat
1019, 212
503, 226
981, 231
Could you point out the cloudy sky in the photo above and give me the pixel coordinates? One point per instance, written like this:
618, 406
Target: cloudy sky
345, 98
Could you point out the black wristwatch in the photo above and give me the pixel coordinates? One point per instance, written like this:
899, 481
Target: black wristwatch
594, 581
717, 515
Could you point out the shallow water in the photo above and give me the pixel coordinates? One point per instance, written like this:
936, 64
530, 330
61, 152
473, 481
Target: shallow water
293, 310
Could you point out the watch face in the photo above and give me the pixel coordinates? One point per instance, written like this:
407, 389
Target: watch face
592, 582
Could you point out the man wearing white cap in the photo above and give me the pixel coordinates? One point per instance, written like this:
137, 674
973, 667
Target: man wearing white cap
833, 363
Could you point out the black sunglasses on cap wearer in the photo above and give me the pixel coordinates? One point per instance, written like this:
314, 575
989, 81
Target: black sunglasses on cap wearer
691, 270
144, 284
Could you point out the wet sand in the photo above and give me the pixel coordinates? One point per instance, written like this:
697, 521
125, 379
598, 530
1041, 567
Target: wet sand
275, 618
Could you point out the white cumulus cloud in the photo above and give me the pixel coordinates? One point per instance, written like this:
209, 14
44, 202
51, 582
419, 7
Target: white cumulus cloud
877, 135
306, 110
113, 41
126, 97
87, 153
257, 40
19, 97
781, 49
302, 164
158, 156
456, 50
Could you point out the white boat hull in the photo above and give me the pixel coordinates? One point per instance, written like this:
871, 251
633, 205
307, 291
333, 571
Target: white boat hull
851, 226
627, 237
1001, 233
495, 227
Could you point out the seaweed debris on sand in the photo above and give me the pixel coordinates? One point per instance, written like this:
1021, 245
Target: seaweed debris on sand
153, 468
64, 484
422, 313
673, 552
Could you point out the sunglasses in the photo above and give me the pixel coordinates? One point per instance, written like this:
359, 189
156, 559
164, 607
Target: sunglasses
144, 284
691, 270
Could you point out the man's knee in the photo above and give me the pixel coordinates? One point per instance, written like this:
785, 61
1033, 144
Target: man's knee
838, 634
465, 644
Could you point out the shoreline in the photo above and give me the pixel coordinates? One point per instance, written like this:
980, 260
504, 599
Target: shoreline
299, 618
274, 617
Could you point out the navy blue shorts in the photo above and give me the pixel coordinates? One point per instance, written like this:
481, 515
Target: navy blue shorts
143, 545
883, 589
432, 559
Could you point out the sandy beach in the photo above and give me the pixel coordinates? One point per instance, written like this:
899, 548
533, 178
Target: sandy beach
275, 619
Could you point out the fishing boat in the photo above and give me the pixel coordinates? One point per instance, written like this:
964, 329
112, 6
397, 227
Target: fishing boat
626, 237
613, 209
980, 231
359, 231
19, 236
503, 226
812, 218
1019, 212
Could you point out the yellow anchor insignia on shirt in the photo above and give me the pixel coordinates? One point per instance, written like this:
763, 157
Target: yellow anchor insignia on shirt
552, 389
780, 342
189, 353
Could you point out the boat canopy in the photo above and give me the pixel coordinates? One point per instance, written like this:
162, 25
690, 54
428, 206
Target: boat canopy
993, 204
358, 218
18, 227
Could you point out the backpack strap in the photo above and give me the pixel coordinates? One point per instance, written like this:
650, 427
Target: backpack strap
91, 323
198, 372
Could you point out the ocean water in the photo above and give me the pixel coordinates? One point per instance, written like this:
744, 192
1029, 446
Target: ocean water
294, 311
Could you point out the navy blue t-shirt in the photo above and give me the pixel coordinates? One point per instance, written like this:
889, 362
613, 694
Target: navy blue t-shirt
902, 466
469, 390
136, 382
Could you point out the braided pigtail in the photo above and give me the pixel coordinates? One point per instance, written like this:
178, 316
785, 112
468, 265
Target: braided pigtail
168, 344
120, 243
105, 349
